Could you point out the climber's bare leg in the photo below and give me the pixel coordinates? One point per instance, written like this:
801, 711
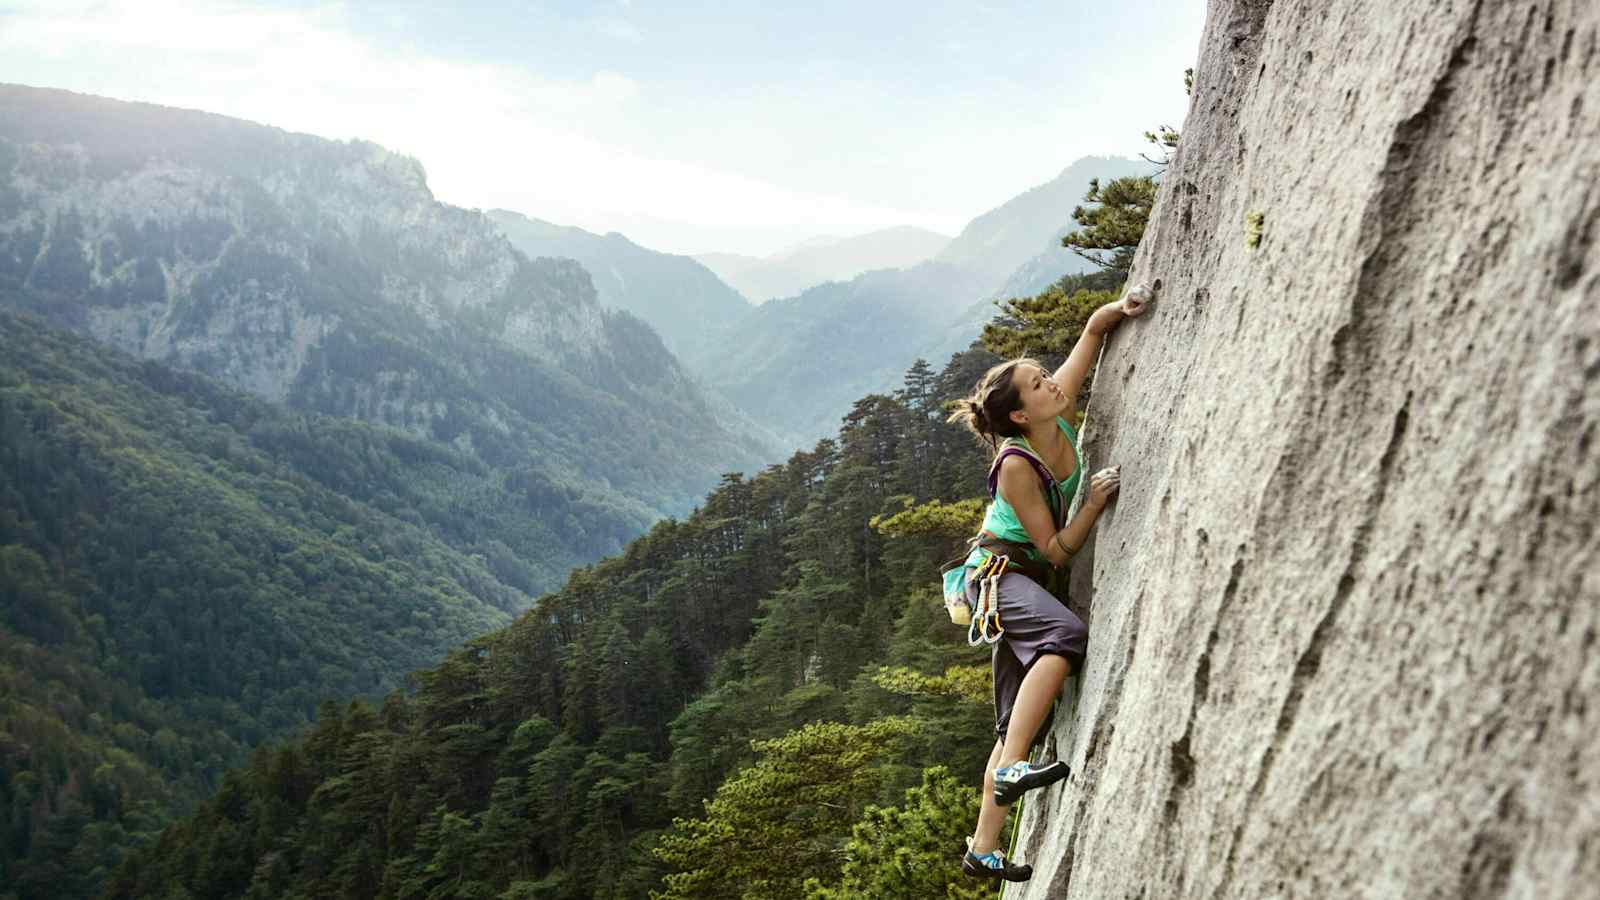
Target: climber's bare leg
991, 818
1040, 687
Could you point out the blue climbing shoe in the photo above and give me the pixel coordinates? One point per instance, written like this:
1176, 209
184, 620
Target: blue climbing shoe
993, 865
1013, 780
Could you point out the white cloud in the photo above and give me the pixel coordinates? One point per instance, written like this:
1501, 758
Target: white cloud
820, 144
489, 135
67, 28
617, 28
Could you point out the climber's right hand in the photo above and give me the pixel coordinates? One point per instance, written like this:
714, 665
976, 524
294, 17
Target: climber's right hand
1103, 486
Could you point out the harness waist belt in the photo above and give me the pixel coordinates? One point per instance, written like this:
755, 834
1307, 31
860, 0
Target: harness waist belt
1037, 571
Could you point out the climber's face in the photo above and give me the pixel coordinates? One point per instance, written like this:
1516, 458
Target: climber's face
1041, 399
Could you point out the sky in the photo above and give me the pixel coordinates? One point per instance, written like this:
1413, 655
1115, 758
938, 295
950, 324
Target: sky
689, 127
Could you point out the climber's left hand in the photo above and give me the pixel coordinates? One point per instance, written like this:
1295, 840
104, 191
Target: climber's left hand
1136, 302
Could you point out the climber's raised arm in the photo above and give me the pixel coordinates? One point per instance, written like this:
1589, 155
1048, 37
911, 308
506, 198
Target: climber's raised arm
1069, 377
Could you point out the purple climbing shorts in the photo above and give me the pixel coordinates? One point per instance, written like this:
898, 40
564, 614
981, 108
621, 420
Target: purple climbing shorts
1035, 623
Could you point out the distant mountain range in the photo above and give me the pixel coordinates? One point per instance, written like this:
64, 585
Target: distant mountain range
836, 317
797, 364
324, 275
676, 295
823, 259
1017, 245
336, 283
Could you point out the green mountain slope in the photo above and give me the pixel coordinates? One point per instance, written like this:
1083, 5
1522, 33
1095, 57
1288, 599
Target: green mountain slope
186, 571
547, 760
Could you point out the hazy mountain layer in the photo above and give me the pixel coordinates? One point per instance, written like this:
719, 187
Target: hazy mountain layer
797, 364
1017, 245
819, 260
676, 295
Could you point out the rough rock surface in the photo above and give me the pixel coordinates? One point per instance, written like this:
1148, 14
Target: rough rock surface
1344, 612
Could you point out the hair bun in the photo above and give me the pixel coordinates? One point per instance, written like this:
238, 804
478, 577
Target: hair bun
980, 420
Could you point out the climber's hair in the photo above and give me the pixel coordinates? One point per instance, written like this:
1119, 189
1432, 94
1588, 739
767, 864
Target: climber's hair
987, 410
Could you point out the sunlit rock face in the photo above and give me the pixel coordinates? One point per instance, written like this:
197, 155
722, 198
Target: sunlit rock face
1344, 614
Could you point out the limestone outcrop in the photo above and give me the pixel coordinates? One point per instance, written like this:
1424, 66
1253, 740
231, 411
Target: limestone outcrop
1344, 613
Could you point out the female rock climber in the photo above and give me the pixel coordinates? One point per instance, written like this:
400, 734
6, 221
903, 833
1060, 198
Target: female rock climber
1043, 642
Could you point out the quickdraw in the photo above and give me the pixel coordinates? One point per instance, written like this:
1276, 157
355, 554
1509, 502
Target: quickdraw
987, 613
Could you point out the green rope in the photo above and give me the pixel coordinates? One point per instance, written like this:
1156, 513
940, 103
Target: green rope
1016, 825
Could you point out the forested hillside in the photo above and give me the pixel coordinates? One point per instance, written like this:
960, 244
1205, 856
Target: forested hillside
550, 759
186, 570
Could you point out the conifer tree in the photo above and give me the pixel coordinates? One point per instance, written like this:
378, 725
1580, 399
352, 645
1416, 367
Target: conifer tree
1045, 326
1109, 232
780, 821
903, 852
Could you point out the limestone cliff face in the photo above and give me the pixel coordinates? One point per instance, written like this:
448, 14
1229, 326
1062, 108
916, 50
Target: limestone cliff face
1344, 613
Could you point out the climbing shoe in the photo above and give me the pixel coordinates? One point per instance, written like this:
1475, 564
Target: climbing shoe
993, 865
1013, 780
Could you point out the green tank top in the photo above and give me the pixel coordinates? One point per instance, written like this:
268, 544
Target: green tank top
1000, 519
